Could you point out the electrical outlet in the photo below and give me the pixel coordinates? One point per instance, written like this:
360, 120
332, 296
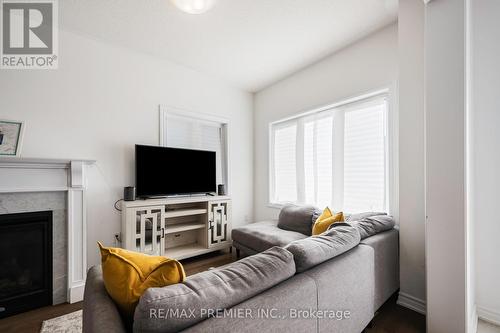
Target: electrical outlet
117, 239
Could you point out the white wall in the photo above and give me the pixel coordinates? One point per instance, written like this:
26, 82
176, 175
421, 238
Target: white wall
104, 99
472, 318
485, 143
411, 154
445, 104
367, 65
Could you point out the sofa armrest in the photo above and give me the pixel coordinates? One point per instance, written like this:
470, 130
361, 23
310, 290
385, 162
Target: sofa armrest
100, 313
386, 249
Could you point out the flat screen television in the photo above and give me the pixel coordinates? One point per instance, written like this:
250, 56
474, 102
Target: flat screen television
163, 171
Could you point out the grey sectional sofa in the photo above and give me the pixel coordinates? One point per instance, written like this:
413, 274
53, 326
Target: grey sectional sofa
377, 230
280, 288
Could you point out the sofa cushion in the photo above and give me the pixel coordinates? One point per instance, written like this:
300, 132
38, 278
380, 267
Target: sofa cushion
373, 225
298, 291
261, 236
360, 216
176, 307
297, 218
314, 250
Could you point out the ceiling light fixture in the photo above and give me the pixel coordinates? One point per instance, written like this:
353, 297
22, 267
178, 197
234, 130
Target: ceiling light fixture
194, 6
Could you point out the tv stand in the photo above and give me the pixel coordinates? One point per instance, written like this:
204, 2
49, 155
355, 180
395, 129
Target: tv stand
177, 227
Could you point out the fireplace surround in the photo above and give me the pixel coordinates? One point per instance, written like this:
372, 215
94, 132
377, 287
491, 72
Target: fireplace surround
21, 179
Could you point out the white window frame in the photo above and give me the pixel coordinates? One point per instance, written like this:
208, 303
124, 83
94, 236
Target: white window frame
392, 147
166, 111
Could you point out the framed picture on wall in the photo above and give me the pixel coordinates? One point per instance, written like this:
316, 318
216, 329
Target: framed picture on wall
11, 135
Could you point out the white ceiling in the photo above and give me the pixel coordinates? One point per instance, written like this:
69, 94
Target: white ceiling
248, 43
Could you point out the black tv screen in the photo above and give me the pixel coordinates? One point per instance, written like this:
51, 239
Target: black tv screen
161, 171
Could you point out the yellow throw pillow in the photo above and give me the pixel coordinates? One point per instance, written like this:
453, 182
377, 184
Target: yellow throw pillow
128, 274
325, 220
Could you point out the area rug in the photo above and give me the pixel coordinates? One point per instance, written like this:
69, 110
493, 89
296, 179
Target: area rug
69, 323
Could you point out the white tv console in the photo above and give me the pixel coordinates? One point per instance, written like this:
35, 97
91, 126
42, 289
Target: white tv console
177, 227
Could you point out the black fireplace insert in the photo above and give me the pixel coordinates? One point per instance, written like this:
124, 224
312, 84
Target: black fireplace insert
25, 262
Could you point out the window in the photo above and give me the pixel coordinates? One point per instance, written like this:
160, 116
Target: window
335, 157
196, 131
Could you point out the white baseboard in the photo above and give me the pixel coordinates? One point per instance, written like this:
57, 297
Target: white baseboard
412, 303
75, 293
489, 315
473, 320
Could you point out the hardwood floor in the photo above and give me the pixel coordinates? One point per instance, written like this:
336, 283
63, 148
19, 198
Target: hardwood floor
207, 261
31, 321
391, 318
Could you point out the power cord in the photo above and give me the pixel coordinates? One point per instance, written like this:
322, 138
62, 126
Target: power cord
117, 201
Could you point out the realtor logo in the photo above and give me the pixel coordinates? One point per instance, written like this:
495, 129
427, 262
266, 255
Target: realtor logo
29, 34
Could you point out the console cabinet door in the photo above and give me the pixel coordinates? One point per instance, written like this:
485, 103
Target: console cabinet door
150, 230
219, 218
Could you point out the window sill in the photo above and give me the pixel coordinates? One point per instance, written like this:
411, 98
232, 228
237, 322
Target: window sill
275, 205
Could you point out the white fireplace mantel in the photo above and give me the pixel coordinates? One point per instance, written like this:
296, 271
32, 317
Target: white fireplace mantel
49, 175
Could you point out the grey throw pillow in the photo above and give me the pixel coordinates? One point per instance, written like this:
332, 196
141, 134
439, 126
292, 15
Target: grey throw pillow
297, 218
314, 250
317, 213
360, 216
369, 226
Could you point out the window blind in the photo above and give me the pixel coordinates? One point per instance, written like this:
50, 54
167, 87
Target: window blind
192, 133
336, 157
364, 159
318, 160
284, 156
